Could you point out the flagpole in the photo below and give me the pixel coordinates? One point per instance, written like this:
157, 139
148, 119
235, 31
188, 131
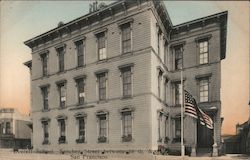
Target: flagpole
182, 115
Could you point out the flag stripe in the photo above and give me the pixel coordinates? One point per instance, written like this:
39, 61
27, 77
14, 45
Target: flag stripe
194, 111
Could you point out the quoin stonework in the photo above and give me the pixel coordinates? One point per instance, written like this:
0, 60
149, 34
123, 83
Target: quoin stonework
111, 80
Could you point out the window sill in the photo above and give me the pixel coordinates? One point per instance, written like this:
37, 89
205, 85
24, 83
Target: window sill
61, 108
203, 65
126, 97
45, 110
45, 76
80, 67
80, 141
102, 101
102, 61
46, 143
61, 72
126, 54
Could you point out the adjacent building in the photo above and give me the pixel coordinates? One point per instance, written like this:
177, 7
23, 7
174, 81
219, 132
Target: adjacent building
15, 129
111, 79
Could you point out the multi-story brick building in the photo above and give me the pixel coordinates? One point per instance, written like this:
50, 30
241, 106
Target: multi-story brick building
110, 79
15, 129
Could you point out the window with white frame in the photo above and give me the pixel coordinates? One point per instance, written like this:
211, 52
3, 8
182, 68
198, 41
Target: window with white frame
203, 52
80, 52
101, 45
204, 89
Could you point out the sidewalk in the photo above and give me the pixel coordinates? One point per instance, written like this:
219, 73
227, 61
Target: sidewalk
7, 154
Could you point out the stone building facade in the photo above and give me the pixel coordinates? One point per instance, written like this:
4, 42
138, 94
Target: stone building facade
110, 79
15, 129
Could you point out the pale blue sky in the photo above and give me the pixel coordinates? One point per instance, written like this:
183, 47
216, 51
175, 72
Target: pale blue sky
22, 20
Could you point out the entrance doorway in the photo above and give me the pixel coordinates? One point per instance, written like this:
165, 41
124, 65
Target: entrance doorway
204, 136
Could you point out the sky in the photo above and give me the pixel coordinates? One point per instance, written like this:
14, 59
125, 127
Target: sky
23, 20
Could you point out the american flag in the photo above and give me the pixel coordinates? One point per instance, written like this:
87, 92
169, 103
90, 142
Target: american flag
192, 109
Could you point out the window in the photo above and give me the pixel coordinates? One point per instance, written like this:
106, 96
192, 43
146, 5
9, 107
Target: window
177, 128
62, 128
159, 126
127, 126
126, 82
101, 42
45, 132
126, 38
159, 83
45, 98
80, 90
60, 52
62, 94
1, 128
44, 58
165, 89
102, 86
203, 50
177, 93
81, 126
80, 53
8, 129
159, 42
178, 62
204, 90
102, 128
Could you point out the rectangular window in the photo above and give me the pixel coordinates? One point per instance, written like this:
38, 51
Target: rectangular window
81, 129
177, 127
126, 81
103, 126
1, 128
101, 42
60, 52
127, 126
102, 86
45, 98
45, 133
126, 38
178, 51
159, 83
80, 53
177, 93
8, 128
204, 90
62, 94
203, 50
159, 42
62, 126
80, 90
44, 58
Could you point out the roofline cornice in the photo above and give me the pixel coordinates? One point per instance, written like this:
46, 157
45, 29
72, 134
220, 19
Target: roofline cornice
75, 21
